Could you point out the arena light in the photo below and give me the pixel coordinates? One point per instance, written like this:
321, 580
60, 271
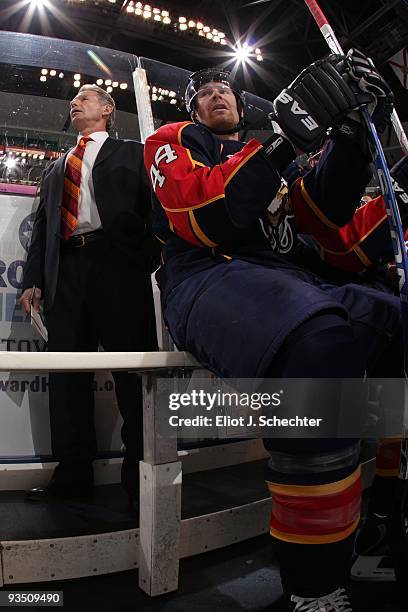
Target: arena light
53, 73
77, 84
99, 82
37, 4
10, 163
77, 77
123, 86
242, 54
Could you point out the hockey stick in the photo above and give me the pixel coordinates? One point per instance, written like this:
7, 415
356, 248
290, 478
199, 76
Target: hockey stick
394, 220
399, 534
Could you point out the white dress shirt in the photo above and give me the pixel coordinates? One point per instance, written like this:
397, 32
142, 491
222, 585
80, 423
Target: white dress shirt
88, 216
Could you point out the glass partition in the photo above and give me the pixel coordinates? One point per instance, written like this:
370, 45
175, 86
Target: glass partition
167, 85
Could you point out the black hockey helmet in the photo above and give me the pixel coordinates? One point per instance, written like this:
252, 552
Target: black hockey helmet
216, 75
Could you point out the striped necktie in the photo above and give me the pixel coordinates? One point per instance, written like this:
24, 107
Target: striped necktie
72, 184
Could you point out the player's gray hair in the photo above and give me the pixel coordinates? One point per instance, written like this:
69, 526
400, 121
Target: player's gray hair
104, 98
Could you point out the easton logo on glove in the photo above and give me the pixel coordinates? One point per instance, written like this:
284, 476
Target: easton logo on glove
296, 109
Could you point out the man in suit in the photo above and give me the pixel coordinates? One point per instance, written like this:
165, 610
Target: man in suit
90, 261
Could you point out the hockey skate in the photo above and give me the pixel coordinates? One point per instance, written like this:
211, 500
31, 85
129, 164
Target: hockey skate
338, 601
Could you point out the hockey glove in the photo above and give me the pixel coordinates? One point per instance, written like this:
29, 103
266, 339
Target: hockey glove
364, 78
399, 177
279, 152
316, 100
328, 90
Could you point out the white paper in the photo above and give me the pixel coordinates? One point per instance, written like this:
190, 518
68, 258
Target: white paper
37, 323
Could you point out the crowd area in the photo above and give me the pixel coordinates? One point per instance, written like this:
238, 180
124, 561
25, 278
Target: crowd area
268, 269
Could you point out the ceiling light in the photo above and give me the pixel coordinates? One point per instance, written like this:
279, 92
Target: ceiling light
182, 20
61, 75
77, 77
10, 163
108, 82
147, 14
99, 82
115, 84
209, 35
206, 29
123, 85
166, 20
44, 71
199, 25
165, 13
221, 34
43, 78
191, 24
77, 83
53, 72
173, 101
157, 18
183, 26
259, 58
138, 11
242, 53
109, 89
130, 9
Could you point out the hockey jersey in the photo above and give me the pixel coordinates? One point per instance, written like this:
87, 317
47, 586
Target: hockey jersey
217, 198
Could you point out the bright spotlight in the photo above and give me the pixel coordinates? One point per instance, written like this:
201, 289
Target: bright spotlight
242, 54
37, 3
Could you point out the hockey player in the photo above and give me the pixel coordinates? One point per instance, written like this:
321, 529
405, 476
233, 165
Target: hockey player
231, 279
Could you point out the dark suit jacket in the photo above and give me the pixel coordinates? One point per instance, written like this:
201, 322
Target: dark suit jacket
122, 196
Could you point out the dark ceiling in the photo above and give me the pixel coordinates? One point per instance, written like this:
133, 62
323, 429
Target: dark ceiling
283, 29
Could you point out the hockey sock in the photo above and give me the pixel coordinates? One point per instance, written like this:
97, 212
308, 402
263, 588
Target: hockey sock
313, 530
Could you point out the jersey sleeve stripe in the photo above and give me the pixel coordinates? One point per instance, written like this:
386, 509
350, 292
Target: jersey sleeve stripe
159, 239
198, 231
359, 241
315, 208
244, 161
194, 162
181, 210
181, 129
362, 256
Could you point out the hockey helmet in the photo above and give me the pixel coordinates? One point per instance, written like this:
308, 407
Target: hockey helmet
216, 75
